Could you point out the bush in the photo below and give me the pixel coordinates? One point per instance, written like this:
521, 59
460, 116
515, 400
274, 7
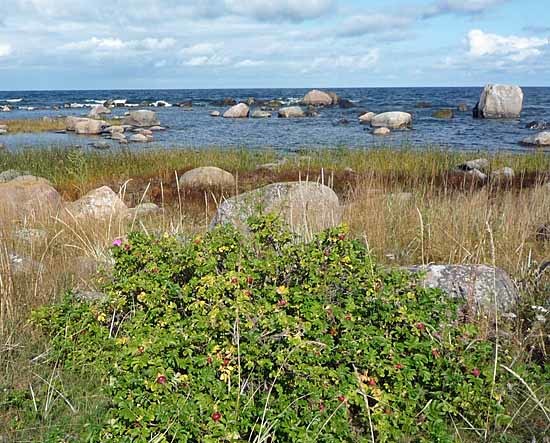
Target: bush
263, 339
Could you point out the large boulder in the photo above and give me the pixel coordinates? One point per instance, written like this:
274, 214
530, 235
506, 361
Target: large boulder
28, 195
317, 98
142, 118
89, 126
238, 111
392, 120
540, 139
291, 112
366, 117
101, 203
306, 207
71, 121
480, 286
258, 113
499, 101
207, 178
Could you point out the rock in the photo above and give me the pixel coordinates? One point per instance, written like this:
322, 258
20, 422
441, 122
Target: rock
5, 127
476, 174
144, 210
381, 131
145, 132
101, 145
114, 129
185, 104
271, 105
503, 174
443, 114
99, 110
157, 128
21, 264
3, 131
306, 207
540, 139
101, 203
342, 122
142, 118
335, 98
70, 122
31, 235
206, 178
215, 114
392, 120
481, 164
423, 105
11, 174
118, 136
238, 111
250, 101
138, 138
89, 126
312, 112
5, 108
28, 195
261, 114
499, 101
225, 102
539, 126
463, 107
317, 98
344, 103
366, 118
291, 112
477, 285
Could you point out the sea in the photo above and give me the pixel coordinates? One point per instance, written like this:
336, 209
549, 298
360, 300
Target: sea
334, 128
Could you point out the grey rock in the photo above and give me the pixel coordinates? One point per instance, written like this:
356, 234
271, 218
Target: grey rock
101, 203
101, 145
500, 101
215, 114
503, 174
138, 138
306, 207
291, 112
144, 210
392, 120
207, 178
317, 98
238, 111
540, 139
366, 117
10, 174
481, 164
479, 286
344, 103
31, 235
539, 126
463, 107
443, 114
261, 114
142, 118
381, 131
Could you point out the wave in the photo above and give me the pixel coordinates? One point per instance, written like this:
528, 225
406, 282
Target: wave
14, 100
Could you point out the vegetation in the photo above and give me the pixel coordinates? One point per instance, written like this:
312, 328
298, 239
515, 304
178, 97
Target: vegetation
407, 206
226, 338
46, 124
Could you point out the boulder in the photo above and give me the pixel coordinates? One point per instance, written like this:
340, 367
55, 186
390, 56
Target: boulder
142, 118
138, 138
101, 203
225, 102
10, 174
344, 103
306, 207
144, 210
381, 131
443, 114
503, 174
261, 114
481, 164
113, 129
207, 178
27, 195
3, 131
539, 126
479, 286
101, 145
392, 120
317, 98
157, 128
215, 114
366, 118
98, 110
70, 122
463, 107
238, 111
89, 126
540, 139
119, 136
291, 112
499, 101
335, 98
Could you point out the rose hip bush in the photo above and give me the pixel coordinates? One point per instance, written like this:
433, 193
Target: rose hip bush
259, 338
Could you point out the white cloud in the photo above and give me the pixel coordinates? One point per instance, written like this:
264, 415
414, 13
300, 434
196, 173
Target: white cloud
466, 7
347, 62
5, 49
115, 44
374, 23
247, 63
202, 49
292, 10
205, 60
512, 47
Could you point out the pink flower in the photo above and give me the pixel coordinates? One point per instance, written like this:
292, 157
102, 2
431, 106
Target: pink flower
117, 242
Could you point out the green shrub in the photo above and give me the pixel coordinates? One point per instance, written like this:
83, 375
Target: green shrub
264, 339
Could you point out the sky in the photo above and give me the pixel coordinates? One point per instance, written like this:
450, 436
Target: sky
181, 44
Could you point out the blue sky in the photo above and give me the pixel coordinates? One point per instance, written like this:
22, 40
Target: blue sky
107, 44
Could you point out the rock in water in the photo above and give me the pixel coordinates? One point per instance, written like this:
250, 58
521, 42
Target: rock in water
306, 207
261, 114
101, 203
317, 98
89, 126
98, 110
207, 178
463, 107
366, 117
392, 120
291, 112
238, 111
500, 101
70, 122
381, 131
540, 139
480, 286
142, 118
443, 114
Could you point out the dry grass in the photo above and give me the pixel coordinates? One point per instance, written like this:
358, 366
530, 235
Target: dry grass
46, 124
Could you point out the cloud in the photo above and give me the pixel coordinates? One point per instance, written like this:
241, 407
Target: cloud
374, 23
202, 49
280, 10
208, 60
5, 49
115, 44
461, 7
347, 62
249, 63
513, 47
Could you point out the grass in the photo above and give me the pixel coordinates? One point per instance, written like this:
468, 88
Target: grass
38, 125
443, 218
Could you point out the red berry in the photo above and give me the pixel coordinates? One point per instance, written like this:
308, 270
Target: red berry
197, 241
398, 366
234, 280
161, 379
341, 398
321, 406
282, 302
225, 361
436, 353
348, 317
216, 416
372, 382
209, 360
342, 237
333, 331
476, 372
249, 280
140, 349
420, 326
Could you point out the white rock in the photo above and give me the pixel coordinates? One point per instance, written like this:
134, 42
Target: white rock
366, 117
291, 112
101, 203
500, 101
392, 120
540, 139
381, 131
238, 111
317, 98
